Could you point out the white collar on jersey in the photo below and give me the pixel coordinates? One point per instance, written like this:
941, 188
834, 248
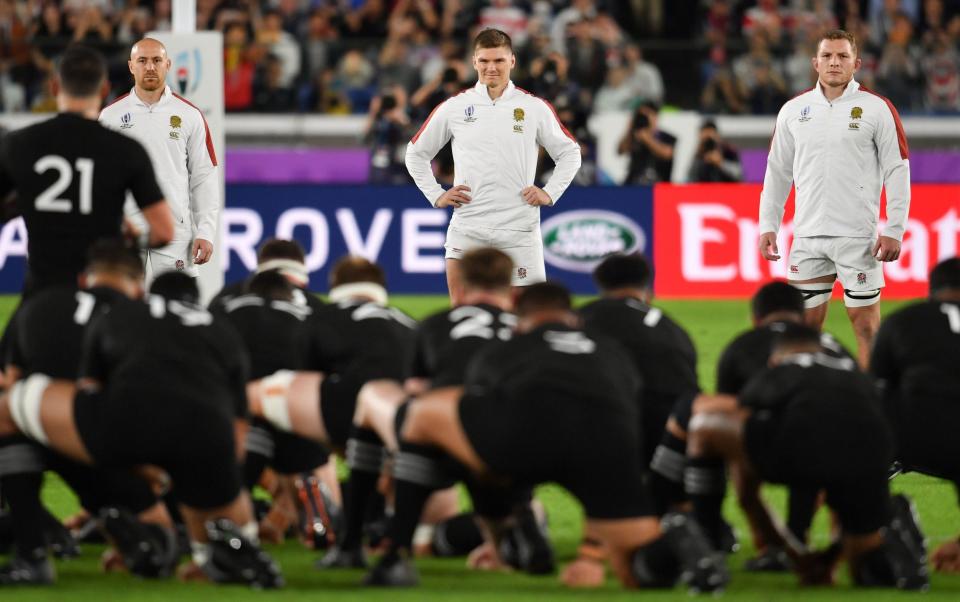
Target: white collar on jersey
167, 94
352, 290
507, 93
852, 86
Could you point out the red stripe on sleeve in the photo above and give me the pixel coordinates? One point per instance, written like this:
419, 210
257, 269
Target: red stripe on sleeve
210, 150
424, 126
901, 135
553, 110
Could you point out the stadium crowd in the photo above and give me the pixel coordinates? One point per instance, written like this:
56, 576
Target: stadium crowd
337, 56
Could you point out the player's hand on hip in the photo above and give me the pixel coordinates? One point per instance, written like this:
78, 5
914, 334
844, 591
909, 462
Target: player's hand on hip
455, 197
886, 249
768, 246
535, 196
201, 251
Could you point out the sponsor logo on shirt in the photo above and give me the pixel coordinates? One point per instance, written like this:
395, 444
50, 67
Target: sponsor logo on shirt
805, 114
468, 112
579, 240
126, 121
794, 269
518, 115
175, 122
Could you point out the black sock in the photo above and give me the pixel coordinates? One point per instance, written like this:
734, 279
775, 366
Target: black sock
365, 458
666, 473
24, 461
417, 473
705, 481
253, 467
801, 507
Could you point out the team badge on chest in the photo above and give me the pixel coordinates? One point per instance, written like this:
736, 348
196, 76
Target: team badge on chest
855, 114
175, 122
518, 115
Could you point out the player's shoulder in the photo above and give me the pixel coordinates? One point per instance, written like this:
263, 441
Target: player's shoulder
190, 110
869, 96
910, 318
794, 105
119, 106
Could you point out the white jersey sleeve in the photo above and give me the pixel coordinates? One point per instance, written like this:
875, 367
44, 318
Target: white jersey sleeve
778, 179
894, 161
204, 183
563, 149
423, 147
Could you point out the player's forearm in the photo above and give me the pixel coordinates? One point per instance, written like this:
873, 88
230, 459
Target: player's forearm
567, 166
418, 166
773, 198
897, 184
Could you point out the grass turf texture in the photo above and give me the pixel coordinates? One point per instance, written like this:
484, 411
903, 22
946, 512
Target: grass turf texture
711, 324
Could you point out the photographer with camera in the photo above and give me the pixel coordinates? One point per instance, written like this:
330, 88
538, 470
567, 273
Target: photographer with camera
387, 127
716, 160
650, 149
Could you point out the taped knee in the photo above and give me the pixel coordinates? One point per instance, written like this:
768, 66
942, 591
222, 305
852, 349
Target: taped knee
815, 293
274, 390
860, 298
25, 399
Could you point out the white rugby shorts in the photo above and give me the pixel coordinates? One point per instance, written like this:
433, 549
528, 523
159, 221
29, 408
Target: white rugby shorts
524, 248
851, 259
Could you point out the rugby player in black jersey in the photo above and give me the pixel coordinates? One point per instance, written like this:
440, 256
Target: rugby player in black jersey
552, 404
915, 360
814, 421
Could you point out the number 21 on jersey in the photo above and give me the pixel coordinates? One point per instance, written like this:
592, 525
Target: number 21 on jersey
49, 201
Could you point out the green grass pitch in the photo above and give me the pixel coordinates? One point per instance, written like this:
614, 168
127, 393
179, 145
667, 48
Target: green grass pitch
711, 324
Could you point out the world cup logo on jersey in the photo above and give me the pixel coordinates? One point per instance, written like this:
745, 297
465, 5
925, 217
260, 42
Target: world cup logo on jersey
126, 121
469, 111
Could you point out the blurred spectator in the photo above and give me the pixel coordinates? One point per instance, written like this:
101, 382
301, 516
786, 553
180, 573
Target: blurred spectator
579, 10
587, 56
550, 78
650, 149
722, 91
644, 76
718, 23
882, 15
448, 84
394, 68
319, 45
134, 24
941, 68
282, 45
768, 91
798, 67
91, 26
616, 94
354, 78
16, 60
369, 21
270, 94
387, 134
898, 72
292, 15
767, 21
715, 160
509, 18
238, 68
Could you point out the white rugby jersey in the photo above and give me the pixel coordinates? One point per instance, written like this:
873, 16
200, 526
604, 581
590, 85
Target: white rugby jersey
178, 140
496, 144
838, 154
